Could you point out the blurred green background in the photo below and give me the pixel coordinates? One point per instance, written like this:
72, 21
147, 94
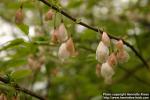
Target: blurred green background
75, 79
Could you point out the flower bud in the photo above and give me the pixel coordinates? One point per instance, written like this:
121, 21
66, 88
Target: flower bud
98, 70
105, 39
48, 15
19, 16
102, 52
119, 45
107, 72
63, 53
63, 35
112, 60
70, 46
54, 36
122, 56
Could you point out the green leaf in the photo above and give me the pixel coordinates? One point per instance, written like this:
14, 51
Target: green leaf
74, 3
5, 87
24, 28
21, 74
13, 63
88, 35
12, 43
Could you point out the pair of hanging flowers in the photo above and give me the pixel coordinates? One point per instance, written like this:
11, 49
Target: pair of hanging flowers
108, 60
60, 35
19, 16
66, 49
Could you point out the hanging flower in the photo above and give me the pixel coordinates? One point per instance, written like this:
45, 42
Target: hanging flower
48, 15
102, 52
107, 72
112, 60
105, 39
54, 36
119, 45
66, 49
70, 46
63, 53
63, 35
59, 34
19, 16
122, 55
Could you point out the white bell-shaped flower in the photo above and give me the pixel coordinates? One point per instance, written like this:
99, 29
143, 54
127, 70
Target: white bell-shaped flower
107, 72
63, 53
66, 49
70, 46
63, 35
54, 36
122, 56
102, 52
119, 45
112, 60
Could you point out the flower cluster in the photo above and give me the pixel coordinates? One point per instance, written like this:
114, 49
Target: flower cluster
66, 48
108, 60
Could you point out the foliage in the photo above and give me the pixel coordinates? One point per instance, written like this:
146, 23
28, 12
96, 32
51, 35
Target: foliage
74, 79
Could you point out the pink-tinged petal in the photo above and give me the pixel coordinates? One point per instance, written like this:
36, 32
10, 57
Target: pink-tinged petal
107, 72
105, 39
54, 36
49, 15
102, 52
63, 35
70, 46
122, 56
63, 52
112, 60
119, 45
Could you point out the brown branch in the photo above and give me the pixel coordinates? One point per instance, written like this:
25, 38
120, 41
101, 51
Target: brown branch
17, 87
96, 30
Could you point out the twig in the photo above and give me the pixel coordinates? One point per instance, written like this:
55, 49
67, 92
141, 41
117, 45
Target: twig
24, 90
96, 30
